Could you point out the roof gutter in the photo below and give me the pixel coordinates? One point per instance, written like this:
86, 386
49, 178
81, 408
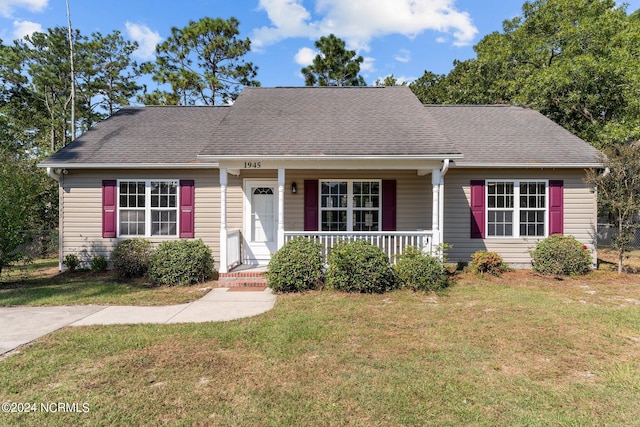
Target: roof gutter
316, 157
529, 165
128, 165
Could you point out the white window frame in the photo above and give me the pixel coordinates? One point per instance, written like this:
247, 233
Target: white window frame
147, 208
350, 207
516, 207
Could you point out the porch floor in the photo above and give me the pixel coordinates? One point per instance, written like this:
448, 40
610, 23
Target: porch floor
244, 268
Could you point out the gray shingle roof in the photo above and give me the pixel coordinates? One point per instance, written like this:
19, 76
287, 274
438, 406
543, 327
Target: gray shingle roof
144, 135
328, 121
501, 134
312, 121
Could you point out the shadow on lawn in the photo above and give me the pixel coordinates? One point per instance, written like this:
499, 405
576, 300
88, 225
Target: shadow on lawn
54, 286
608, 261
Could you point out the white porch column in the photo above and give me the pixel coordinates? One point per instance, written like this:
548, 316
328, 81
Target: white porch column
224, 265
280, 208
435, 216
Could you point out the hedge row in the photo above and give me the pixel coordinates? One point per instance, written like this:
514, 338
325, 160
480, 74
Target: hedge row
359, 266
356, 266
173, 262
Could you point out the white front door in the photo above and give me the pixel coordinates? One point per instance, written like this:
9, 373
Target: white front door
260, 220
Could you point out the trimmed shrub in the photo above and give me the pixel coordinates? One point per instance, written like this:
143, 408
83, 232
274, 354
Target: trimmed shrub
487, 262
130, 258
99, 264
181, 262
296, 267
419, 271
72, 262
359, 266
561, 255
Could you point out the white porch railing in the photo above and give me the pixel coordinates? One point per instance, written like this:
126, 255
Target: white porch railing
234, 243
391, 242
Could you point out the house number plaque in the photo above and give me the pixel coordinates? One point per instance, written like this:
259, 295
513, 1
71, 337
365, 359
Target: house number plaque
252, 165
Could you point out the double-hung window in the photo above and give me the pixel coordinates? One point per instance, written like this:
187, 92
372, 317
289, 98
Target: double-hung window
148, 208
516, 208
350, 205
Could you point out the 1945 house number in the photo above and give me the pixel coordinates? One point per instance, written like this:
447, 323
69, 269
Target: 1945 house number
252, 165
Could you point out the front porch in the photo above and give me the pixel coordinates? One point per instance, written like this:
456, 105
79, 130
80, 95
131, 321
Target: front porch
390, 208
392, 243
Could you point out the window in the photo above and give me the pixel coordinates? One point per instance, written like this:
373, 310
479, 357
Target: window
148, 208
350, 205
516, 208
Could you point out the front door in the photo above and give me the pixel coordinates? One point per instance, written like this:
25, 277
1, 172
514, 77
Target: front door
260, 220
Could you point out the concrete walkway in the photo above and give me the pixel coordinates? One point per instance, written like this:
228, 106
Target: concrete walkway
21, 325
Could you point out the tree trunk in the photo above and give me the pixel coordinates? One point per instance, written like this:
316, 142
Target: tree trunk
620, 249
620, 252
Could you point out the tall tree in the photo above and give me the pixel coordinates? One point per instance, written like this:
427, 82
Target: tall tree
202, 63
20, 109
334, 65
389, 80
429, 88
576, 61
106, 76
19, 206
47, 64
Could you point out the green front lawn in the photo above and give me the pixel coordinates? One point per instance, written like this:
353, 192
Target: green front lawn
515, 350
40, 283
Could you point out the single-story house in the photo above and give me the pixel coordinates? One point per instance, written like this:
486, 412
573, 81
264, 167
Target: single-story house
328, 163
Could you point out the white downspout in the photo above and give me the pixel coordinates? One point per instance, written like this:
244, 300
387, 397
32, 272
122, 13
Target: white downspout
224, 264
435, 209
445, 168
53, 174
281, 181
56, 175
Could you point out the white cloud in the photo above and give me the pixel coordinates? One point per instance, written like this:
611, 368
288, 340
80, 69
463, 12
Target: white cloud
8, 6
289, 19
25, 28
367, 65
305, 56
146, 38
358, 21
403, 56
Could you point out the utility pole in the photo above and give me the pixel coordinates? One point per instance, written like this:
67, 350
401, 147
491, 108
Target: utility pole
73, 77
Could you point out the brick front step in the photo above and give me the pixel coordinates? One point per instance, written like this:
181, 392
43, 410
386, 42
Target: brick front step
242, 279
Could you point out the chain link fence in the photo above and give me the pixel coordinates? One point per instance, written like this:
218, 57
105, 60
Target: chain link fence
607, 231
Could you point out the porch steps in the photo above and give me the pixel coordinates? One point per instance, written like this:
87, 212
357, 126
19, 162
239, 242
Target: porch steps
256, 279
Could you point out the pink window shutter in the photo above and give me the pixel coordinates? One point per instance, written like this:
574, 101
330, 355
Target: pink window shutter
389, 205
477, 209
311, 205
187, 218
556, 207
109, 208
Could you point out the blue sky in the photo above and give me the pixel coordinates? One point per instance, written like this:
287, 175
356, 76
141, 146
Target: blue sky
399, 37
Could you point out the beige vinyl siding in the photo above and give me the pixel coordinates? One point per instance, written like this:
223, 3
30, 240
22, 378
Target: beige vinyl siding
81, 197
413, 195
82, 200
580, 213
